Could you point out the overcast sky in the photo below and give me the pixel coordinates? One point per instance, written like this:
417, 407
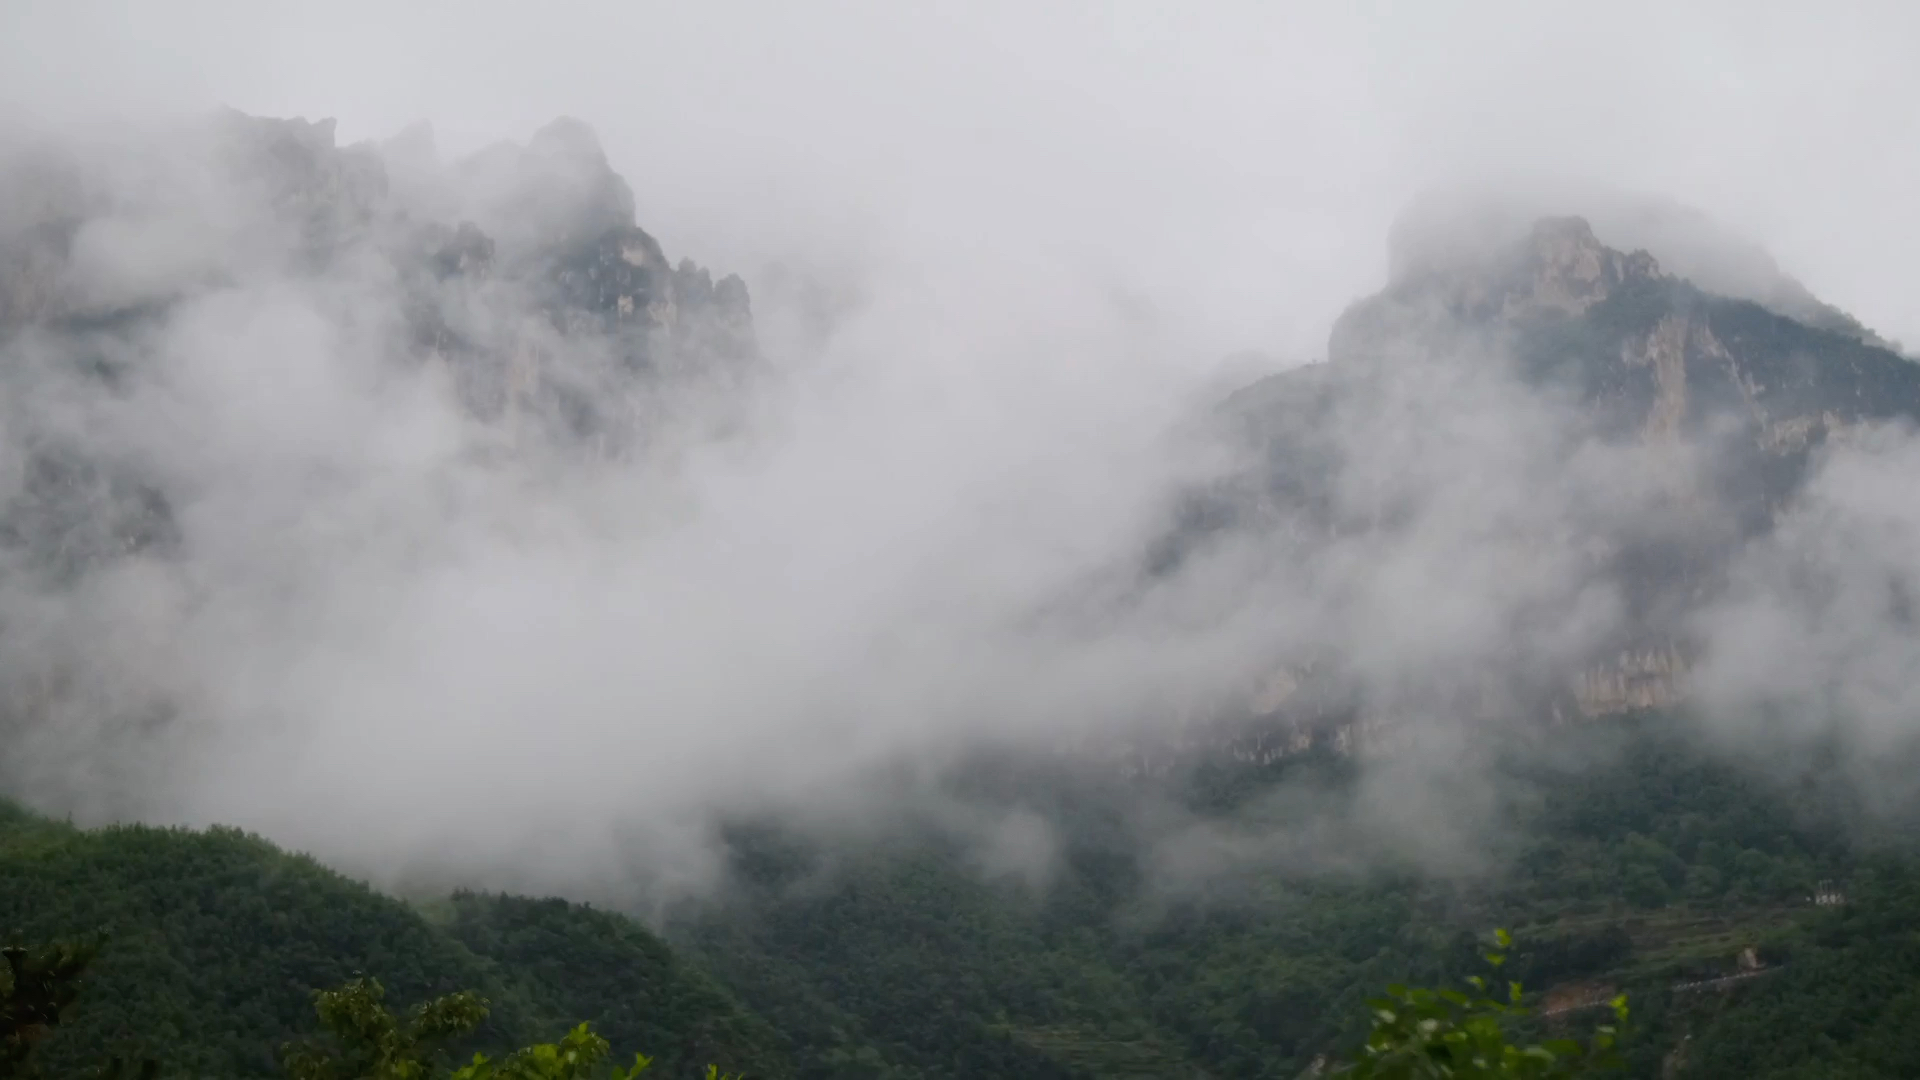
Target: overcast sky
1232, 165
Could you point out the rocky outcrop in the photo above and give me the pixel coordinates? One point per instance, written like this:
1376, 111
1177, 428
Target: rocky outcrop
1447, 227
1637, 679
1561, 305
521, 273
468, 252
1665, 428
1433, 304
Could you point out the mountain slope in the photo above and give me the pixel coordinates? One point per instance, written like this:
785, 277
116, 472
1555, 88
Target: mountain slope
219, 939
1594, 449
1548, 422
1630, 857
1640, 861
1528, 473
580, 964
243, 366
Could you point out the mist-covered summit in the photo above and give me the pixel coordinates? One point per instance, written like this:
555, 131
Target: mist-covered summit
1653, 348
241, 363
1539, 475
1453, 228
494, 264
518, 275
312, 445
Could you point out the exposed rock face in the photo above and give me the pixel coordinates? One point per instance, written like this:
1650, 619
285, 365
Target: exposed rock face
484, 257
1558, 266
1649, 679
521, 272
237, 357
1645, 431
1446, 228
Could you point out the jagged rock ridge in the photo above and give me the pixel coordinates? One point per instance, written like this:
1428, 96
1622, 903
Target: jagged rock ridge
1675, 425
227, 344
521, 272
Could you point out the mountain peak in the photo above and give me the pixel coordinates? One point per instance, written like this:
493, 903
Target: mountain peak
1450, 227
567, 137
1557, 265
1565, 266
522, 267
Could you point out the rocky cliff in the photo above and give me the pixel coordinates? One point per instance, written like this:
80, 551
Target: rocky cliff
481, 258
240, 361
1568, 439
520, 274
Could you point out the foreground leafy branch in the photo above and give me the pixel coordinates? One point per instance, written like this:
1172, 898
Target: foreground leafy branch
370, 1042
1423, 1034
572, 1057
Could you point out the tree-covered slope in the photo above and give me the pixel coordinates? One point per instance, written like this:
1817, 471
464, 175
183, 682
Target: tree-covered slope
218, 940
581, 964
1625, 856
1633, 859
903, 962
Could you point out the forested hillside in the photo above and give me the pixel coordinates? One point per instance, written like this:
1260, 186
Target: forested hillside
1659, 866
1637, 864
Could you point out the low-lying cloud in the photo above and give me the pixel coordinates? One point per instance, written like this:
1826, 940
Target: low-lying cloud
280, 559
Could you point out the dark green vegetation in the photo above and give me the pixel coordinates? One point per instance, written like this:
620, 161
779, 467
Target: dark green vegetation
1634, 862
39, 990
366, 1039
1424, 1033
1638, 863
218, 940
601, 966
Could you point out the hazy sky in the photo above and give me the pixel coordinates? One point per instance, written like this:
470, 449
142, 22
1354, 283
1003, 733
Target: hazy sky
1232, 164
